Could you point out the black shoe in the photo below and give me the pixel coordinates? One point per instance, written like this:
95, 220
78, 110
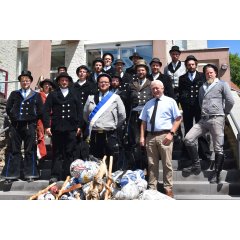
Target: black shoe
187, 169
52, 180
30, 180
8, 181
196, 170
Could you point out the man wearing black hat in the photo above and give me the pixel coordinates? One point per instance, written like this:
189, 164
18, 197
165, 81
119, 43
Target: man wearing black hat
175, 69
126, 77
216, 102
189, 85
24, 108
97, 70
63, 108
156, 74
134, 58
107, 66
104, 112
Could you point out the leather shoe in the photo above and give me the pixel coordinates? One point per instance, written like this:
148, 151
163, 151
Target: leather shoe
30, 180
8, 181
169, 193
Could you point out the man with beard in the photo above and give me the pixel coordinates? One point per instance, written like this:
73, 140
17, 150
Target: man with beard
132, 70
140, 87
216, 102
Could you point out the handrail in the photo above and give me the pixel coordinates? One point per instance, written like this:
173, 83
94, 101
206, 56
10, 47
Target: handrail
235, 122
3, 130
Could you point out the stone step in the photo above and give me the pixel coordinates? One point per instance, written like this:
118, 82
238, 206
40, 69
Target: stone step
203, 188
206, 197
230, 176
180, 164
16, 195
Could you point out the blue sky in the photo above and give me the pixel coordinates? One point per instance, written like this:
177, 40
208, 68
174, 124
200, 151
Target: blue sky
234, 45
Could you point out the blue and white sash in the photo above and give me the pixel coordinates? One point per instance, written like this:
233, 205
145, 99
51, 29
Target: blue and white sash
100, 108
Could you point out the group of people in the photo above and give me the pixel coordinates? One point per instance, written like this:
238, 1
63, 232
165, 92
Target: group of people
132, 115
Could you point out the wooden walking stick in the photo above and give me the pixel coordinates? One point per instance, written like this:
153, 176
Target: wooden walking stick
41, 192
109, 179
63, 186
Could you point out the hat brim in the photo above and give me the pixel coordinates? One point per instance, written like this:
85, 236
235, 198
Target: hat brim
42, 83
160, 63
142, 65
175, 51
69, 78
22, 75
131, 57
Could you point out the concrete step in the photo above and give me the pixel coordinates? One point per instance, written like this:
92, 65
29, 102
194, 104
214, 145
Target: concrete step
203, 188
179, 164
206, 197
229, 176
16, 195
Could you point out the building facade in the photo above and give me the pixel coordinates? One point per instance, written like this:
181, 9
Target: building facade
42, 57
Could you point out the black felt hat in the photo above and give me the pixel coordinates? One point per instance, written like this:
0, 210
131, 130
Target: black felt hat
27, 74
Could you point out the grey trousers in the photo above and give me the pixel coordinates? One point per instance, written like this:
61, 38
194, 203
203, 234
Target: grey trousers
214, 125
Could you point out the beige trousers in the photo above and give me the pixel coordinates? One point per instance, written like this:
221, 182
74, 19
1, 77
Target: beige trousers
155, 151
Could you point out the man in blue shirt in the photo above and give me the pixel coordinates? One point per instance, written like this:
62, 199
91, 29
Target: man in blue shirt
161, 118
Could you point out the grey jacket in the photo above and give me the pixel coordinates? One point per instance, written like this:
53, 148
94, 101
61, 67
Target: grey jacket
216, 99
113, 117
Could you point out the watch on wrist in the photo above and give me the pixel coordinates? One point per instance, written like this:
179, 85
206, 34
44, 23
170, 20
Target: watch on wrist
172, 133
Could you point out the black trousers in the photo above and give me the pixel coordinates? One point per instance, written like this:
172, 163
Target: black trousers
64, 148
105, 143
189, 114
21, 132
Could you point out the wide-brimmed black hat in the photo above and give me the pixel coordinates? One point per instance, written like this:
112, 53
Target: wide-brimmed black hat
46, 80
190, 57
141, 63
104, 75
156, 60
119, 61
26, 73
64, 74
117, 75
209, 65
97, 60
105, 54
82, 67
65, 68
175, 49
135, 54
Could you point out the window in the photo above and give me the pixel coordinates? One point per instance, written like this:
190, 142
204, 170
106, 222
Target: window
57, 59
121, 50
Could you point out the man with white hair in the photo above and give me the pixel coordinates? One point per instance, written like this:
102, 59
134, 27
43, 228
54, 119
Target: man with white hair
161, 118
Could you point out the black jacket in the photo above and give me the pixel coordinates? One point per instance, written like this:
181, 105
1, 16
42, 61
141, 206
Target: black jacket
189, 90
65, 113
88, 88
167, 83
111, 71
20, 109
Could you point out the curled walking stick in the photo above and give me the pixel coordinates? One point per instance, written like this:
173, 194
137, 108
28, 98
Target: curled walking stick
109, 179
41, 192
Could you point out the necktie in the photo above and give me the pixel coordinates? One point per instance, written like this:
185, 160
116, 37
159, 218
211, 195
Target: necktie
152, 120
25, 93
191, 74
